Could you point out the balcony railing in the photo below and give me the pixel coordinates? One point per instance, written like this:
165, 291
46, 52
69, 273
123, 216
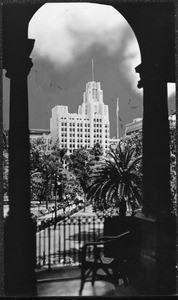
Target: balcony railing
61, 244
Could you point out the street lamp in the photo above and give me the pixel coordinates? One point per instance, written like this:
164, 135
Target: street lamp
57, 185
63, 203
55, 200
38, 208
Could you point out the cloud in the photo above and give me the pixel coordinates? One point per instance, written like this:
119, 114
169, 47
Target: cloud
132, 59
63, 31
171, 89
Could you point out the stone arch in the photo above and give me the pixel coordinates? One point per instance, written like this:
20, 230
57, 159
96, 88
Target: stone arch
153, 24
132, 83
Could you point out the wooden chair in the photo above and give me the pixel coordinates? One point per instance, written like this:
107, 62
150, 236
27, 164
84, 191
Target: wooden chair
109, 256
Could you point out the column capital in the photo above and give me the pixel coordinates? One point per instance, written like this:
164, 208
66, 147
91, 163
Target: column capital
150, 73
17, 61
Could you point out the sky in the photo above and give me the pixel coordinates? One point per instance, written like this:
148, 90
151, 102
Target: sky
67, 37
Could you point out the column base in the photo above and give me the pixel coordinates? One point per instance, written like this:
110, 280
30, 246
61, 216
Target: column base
157, 263
20, 256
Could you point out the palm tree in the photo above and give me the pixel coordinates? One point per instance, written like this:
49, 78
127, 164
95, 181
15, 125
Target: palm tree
117, 180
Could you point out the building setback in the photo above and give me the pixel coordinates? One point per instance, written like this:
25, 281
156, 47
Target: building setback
90, 126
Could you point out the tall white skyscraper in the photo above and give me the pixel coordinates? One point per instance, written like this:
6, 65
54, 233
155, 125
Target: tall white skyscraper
88, 127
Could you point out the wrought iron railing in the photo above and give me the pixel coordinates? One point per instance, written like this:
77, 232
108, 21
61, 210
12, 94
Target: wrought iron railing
61, 244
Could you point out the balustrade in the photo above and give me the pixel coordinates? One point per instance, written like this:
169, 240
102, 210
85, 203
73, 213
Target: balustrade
62, 245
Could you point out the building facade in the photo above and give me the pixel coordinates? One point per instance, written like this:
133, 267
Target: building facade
91, 125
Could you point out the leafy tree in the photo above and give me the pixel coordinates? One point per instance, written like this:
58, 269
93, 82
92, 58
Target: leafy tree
173, 177
37, 148
70, 186
134, 141
81, 163
173, 140
117, 180
5, 161
173, 184
46, 162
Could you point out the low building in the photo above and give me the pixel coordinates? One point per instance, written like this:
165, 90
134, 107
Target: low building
135, 126
36, 133
39, 133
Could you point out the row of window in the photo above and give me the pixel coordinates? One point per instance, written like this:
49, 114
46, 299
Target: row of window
74, 135
81, 130
73, 129
97, 120
78, 119
86, 136
86, 130
72, 142
84, 125
75, 124
81, 133
96, 139
96, 123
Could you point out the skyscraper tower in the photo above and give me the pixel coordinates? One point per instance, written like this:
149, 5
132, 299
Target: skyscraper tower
88, 127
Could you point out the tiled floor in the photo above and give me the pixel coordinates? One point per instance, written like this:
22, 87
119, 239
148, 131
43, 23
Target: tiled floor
66, 282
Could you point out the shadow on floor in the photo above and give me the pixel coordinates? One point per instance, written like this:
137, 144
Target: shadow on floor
65, 281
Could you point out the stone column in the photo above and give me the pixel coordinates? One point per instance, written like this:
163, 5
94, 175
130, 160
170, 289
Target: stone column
158, 228
156, 154
19, 229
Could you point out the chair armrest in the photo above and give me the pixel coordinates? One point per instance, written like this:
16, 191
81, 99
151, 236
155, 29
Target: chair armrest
95, 244
104, 240
111, 237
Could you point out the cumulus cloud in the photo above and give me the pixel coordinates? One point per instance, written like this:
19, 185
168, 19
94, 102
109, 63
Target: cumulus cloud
171, 89
131, 59
65, 30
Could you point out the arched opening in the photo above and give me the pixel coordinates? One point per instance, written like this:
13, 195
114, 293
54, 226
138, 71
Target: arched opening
156, 41
67, 38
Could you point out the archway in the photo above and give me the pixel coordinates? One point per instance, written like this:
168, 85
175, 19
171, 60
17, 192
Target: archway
78, 33
153, 24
